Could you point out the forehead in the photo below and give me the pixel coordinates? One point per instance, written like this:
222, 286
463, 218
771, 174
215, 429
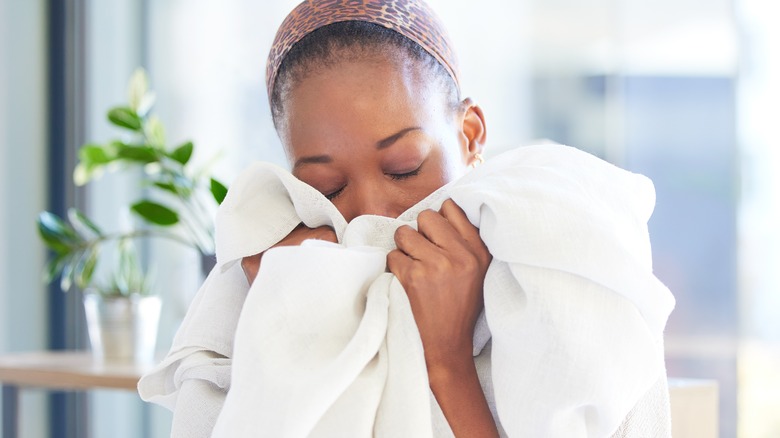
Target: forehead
359, 100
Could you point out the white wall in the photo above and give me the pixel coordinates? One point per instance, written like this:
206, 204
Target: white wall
23, 303
759, 94
494, 55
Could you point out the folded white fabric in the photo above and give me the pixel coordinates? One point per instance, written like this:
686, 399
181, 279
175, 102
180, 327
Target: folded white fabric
326, 344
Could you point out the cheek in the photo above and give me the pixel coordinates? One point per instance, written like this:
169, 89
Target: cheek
453, 151
452, 163
442, 168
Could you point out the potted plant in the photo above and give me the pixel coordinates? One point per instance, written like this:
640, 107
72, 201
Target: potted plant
122, 310
179, 195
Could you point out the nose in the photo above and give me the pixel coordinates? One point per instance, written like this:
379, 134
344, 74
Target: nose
372, 199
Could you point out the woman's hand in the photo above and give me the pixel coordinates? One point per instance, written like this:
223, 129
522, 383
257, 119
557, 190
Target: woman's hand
442, 267
251, 264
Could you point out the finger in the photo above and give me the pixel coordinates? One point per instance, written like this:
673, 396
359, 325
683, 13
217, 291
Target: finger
412, 243
460, 222
470, 233
397, 261
438, 230
400, 264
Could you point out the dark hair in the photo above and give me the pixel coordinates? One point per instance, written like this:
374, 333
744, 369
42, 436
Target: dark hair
330, 44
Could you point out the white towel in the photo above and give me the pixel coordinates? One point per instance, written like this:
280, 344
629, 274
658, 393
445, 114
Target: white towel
326, 344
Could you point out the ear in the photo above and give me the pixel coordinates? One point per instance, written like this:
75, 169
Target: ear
473, 131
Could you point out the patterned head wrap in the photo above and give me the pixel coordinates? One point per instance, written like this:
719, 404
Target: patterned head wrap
411, 18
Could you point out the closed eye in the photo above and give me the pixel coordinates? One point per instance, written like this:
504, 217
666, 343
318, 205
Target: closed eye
332, 195
402, 176
394, 176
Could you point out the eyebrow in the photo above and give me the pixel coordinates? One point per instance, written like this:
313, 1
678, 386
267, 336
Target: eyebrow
312, 160
381, 144
387, 142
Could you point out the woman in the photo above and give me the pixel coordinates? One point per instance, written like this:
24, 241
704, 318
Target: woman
376, 124
365, 98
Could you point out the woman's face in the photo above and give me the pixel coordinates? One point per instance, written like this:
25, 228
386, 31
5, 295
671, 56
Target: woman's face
375, 137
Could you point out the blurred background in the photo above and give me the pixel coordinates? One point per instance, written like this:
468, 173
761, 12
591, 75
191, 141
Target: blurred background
684, 91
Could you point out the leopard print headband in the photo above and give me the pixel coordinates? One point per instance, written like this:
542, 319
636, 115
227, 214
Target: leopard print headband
411, 18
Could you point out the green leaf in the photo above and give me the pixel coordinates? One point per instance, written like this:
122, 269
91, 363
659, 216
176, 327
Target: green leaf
83, 225
54, 242
140, 154
82, 175
56, 226
146, 104
137, 88
174, 189
155, 132
58, 235
94, 155
183, 153
140, 97
125, 117
218, 190
54, 267
129, 277
113, 147
168, 187
155, 213
86, 268
66, 281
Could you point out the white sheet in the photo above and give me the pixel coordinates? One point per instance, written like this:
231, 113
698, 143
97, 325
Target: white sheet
326, 345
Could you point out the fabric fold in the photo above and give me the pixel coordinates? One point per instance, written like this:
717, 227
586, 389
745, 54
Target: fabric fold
326, 343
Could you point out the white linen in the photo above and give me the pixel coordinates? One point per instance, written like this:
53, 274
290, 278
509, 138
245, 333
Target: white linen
326, 345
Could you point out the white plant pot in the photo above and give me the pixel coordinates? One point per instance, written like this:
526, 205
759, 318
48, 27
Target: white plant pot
123, 329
